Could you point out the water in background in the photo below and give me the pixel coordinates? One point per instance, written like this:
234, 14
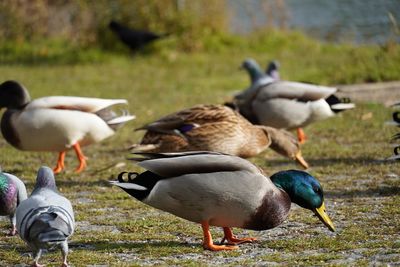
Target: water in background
357, 21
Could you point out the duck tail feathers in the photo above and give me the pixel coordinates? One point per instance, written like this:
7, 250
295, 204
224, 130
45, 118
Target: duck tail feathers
137, 185
339, 104
137, 148
395, 137
342, 106
396, 152
121, 120
113, 119
127, 185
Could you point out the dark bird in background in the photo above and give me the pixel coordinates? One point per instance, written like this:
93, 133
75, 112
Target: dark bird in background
135, 39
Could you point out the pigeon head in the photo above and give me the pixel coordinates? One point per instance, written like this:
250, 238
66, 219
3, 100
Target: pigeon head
253, 69
45, 179
273, 70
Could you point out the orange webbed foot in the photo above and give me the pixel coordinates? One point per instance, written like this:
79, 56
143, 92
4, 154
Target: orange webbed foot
81, 158
238, 241
213, 247
208, 242
60, 163
81, 167
233, 240
301, 136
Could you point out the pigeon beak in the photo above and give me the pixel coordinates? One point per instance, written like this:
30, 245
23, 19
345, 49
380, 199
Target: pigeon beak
321, 214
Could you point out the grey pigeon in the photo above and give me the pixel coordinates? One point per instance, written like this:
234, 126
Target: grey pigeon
46, 218
257, 76
257, 79
272, 70
12, 193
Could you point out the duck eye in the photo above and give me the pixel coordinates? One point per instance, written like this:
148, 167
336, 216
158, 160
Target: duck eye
317, 190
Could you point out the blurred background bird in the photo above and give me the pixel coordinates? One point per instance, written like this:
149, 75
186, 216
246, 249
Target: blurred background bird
135, 39
272, 70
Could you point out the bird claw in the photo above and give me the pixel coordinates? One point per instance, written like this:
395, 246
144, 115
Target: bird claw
213, 247
237, 241
13, 231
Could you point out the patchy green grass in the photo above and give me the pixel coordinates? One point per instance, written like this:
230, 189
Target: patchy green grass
302, 58
345, 152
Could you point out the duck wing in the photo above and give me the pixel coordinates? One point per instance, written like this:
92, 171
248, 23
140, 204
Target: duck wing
85, 104
295, 90
185, 120
177, 164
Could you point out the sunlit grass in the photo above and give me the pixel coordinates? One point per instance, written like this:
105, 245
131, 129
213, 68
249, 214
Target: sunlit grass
345, 153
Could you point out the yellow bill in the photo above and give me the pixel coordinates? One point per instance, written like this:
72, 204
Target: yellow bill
321, 214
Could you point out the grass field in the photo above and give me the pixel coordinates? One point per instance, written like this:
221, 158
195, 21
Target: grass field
345, 153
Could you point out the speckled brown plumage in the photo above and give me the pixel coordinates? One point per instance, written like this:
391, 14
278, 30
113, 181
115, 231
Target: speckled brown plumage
215, 128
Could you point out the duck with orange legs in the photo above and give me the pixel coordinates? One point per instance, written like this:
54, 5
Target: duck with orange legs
56, 123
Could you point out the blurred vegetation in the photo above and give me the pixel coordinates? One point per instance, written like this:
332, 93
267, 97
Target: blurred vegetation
42, 32
85, 23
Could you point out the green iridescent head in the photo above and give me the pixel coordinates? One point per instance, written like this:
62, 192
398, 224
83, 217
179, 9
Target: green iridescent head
304, 190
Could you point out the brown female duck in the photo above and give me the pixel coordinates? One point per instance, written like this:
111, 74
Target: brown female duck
216, 128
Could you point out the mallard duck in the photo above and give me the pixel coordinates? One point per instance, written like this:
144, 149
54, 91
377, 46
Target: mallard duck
285, 104
46, 218
56, 123
216, 128
215, 189
12, 193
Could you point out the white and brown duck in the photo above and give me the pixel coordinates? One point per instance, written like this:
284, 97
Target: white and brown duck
56, 123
